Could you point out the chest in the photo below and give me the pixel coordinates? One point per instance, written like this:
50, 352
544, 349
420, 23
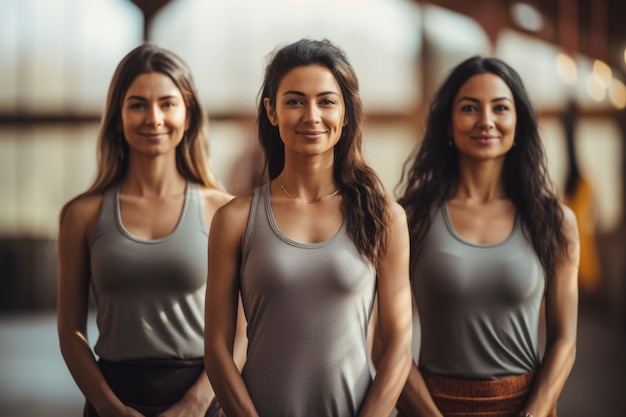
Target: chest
450, 269
151, 218
481, 224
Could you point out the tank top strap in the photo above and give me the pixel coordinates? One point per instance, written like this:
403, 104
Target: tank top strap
106, 218
192, 216
252, 220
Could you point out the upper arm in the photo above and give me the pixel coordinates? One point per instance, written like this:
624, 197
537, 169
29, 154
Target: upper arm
224, 257
562, 288
75, 231
393, 285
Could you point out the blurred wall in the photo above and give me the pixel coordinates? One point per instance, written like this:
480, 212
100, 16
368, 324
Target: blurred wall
57, 58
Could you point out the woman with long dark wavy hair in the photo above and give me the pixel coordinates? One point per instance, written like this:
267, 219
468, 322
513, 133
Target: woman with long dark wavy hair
490, 243
137, 239
309, 251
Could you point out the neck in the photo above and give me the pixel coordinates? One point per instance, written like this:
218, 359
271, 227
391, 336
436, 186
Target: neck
313, 197
152, 178
481, 182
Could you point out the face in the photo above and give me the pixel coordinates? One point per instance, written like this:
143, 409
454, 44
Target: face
309, 110
154, 115
483, 118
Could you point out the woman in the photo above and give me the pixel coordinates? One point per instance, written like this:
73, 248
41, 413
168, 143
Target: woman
308, 251
138, 238
490, 242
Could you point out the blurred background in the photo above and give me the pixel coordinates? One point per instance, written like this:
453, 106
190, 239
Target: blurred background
57, 58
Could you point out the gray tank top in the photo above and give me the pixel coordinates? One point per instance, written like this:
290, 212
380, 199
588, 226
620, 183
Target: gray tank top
149, 294
308, 307
479, 305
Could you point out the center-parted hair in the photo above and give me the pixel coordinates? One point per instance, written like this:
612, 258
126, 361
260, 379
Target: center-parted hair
364, 203
433, 171
192, 154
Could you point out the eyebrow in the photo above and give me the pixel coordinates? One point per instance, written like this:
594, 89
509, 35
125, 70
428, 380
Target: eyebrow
475, 100
299, 93
140, 98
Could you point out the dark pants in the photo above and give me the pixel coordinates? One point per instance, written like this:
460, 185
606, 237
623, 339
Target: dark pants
151, 386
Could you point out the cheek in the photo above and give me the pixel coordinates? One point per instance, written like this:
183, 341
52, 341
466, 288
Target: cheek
510, 124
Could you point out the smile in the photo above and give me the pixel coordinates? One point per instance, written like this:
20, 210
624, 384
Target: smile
310, 134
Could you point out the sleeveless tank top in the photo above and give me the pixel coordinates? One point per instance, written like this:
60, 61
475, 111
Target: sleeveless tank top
308, 307
478, 305
149, 294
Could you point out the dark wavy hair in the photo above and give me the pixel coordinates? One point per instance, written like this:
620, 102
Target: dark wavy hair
431, 173
364, 202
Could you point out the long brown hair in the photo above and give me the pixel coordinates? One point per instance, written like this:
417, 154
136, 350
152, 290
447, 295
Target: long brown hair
364, 202
192, 154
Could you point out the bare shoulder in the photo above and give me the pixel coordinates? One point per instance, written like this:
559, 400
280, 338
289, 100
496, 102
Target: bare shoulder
82, 208
233, 215
81, 215
213, 198
397, 212
570, 226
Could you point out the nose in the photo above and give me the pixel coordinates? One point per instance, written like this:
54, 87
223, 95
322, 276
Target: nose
486, 120
311, 114
154, 116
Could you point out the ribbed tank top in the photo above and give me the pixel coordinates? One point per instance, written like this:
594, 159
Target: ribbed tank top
149, 294
479, 305
308, 307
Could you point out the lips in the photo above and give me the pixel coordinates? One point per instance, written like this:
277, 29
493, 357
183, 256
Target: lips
153, 135
484, 138
311, 134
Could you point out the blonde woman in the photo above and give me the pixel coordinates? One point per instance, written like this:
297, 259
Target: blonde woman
137, 238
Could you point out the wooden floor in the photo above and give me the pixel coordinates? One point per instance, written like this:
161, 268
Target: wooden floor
34, 381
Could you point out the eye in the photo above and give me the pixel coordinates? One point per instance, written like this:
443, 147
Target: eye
136, 105
168, 104
501, 108
468, 108
327, 102
294, 102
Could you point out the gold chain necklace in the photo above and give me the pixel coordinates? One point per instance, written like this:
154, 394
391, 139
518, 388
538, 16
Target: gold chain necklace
282, 187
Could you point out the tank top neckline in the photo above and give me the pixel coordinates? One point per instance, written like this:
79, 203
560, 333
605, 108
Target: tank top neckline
448, 222
129, 235
307, 245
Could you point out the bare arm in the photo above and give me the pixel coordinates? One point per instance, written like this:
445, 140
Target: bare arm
394, 321
227, 231
415, 399
73, 302
561, 322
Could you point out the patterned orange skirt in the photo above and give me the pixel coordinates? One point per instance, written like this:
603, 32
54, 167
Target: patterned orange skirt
477, 398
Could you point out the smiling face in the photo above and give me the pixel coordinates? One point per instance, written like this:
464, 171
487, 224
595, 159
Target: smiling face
309, 110
483, 118
154, 115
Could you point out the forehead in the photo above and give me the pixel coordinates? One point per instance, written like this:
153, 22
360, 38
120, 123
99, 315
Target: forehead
485, 85
153, 82
313, 78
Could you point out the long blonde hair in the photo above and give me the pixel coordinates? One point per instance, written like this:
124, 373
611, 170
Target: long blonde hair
192, 154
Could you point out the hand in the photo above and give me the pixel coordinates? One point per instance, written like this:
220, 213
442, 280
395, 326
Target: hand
124, 411
187, 408
131, 412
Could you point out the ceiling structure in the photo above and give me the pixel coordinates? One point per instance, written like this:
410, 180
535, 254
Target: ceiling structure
594, 28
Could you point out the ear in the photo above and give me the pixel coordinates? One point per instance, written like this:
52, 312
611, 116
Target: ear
345, 121
269, 110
